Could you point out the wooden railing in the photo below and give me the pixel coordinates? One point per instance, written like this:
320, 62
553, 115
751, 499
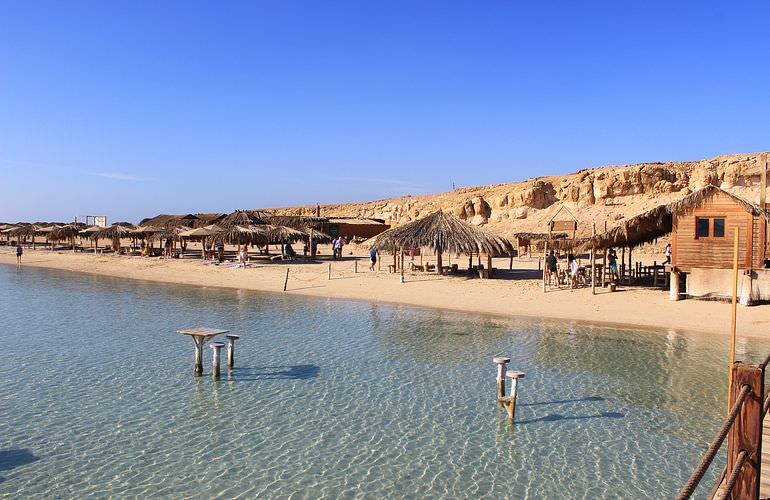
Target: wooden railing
743, 430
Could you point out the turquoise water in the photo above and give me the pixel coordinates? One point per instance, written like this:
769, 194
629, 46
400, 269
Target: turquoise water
336, 399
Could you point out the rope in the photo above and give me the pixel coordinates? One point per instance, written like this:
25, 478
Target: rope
730, 484
689, 488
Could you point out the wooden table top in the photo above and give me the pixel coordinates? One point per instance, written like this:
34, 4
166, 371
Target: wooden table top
203, 332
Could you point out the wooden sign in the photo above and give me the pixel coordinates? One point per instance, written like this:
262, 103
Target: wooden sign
563, 225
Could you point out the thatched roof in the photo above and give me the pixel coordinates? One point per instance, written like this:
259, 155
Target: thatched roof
202, 231
111, 233
243, 235
284, 234
243, 218
63, 233
318, 236
146, 230
23, 230
441, 232
655, 223
293, 221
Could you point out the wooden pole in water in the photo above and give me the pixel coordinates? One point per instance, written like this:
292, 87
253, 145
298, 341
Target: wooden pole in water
502, 362
217, 348
198, 368
286, 281
733, 317
510, 404
231, 350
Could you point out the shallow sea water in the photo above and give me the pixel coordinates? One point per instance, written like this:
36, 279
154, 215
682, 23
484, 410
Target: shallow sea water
337, 399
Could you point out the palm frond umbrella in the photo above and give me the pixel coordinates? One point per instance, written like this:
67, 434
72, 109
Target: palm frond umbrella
22, 231
243, 218
114, 233
65, 233
284, 234
441, 232
242, 235
45, 231
202, 233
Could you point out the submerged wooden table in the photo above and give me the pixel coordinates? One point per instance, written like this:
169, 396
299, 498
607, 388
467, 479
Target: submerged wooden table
200, 336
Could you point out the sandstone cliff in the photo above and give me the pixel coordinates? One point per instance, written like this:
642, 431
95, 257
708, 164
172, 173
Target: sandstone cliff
605, 194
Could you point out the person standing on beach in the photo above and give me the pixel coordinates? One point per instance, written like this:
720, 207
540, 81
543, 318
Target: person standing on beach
337, 247
612, 258
573, 271
550, 269
19, 253
667, 251
372, 259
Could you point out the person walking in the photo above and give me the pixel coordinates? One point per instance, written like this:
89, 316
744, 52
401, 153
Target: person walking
372, 259
667, 251
19, 253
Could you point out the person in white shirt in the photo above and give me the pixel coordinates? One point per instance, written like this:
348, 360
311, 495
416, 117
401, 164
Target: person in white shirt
573, 270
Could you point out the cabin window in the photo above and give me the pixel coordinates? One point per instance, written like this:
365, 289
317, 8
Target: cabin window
719, 228
709, 227
701, 228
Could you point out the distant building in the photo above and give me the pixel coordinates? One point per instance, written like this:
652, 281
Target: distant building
353, 227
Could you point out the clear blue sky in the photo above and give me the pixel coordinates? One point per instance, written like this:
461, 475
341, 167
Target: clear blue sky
134, 108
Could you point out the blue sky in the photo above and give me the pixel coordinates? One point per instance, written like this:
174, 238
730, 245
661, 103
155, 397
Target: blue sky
134, 108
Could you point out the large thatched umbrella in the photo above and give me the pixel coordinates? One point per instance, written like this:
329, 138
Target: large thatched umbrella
114, 233
243, 235
24, 231
243, 218
441, 232
65, 233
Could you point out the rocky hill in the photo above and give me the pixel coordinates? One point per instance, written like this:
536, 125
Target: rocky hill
601, 195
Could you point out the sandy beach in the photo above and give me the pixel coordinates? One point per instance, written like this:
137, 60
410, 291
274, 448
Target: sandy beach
515, 293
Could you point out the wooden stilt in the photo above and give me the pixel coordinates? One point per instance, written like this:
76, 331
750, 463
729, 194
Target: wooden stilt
509, 402
286, 281
217, 350
502, 362
231, 350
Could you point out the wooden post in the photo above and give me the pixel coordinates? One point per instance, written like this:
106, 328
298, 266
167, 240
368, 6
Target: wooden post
379, 261
622, 269
510, 401
439, 263
510, 263
286, 281
593, 264
502, 362
489, 265
545, 273
198, 366
217, 348
746, 431
763, 205
402, 266
330, 271
231, 350
734, 312
630, 267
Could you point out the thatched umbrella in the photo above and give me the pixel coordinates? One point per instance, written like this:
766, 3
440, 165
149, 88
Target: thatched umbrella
284, 234
202, 233
241, 235
114, 233
65, 233
24, 231
441, 232
243, 218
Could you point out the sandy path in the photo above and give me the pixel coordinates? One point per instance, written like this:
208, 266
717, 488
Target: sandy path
517, 294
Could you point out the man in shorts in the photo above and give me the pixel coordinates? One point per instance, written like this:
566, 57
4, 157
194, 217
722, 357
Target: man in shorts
550, 269
19, 253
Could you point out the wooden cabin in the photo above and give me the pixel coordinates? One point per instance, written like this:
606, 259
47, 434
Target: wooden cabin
352, 227
702, 244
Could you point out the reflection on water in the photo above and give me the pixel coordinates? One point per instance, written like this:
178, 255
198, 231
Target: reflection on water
336, 398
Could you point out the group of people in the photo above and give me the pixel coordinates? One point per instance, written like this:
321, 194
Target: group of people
552, 270
337, 245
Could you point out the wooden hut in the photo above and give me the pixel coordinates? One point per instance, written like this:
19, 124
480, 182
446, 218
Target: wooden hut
702, 227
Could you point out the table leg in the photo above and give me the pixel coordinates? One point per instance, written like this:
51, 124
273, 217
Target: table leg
198, 355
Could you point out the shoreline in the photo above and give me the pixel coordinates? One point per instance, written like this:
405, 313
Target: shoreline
511, 297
